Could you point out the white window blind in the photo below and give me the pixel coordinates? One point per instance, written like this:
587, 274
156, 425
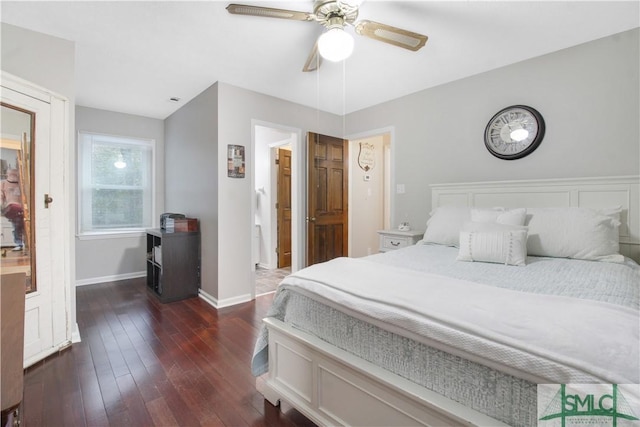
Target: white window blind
115, 183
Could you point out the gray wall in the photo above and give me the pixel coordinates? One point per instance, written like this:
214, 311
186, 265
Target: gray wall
115, 257
588, 96
238, 108
196, 178
192, 174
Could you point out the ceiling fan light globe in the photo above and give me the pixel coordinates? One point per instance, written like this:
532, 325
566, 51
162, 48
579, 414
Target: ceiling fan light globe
335, 45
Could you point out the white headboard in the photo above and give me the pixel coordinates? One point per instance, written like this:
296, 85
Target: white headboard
581, 192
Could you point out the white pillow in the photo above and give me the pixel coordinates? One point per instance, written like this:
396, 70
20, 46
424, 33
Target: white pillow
580, 233
493, 242
490, 226
500, 215
445, 224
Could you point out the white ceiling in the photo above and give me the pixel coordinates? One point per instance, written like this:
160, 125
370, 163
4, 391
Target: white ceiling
132, 57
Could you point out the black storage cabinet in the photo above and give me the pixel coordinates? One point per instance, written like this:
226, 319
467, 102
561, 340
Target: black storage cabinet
173, 264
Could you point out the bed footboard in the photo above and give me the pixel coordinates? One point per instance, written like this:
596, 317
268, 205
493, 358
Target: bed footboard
333, 387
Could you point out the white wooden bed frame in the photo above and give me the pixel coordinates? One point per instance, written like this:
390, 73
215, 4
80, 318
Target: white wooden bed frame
333, 387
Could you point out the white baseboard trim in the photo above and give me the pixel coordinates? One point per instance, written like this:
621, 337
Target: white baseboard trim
75, 334
114, 278
215, 303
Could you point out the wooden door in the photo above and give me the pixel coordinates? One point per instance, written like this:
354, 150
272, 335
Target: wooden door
327, 234
284, 208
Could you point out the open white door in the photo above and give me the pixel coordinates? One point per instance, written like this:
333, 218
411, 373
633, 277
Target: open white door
36, 119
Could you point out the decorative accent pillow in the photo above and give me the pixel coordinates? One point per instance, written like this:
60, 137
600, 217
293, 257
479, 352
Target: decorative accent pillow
492, 242
580, 233
445, 224
500, 215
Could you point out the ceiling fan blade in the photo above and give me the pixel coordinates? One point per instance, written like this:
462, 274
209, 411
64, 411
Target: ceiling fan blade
313, 61
392, 35
268, 12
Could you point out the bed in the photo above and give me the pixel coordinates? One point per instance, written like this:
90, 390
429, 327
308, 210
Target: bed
443, 333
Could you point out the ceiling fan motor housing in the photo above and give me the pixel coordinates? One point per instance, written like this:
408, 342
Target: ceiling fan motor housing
334, 14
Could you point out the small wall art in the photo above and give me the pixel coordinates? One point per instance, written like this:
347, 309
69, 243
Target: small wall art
366, 156
235, 161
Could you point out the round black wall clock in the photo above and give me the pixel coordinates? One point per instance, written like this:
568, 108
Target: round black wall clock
514, 132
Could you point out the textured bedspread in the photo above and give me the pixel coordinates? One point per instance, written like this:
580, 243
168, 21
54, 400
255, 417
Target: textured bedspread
610, 287
542, 338
598, 281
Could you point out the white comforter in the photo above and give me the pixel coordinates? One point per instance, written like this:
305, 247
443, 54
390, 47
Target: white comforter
541, 338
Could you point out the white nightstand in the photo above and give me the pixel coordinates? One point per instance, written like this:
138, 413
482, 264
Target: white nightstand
395, 239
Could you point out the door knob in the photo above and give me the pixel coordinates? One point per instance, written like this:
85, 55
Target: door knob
47, 199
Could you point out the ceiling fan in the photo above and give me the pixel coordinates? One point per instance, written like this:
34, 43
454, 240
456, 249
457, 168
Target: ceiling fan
335, 44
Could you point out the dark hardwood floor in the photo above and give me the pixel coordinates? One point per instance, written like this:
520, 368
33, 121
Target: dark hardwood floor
142, 363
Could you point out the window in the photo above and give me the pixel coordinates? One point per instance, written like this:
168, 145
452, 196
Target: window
115, 183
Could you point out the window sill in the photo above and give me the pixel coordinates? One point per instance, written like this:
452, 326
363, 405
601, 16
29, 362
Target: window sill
111, 235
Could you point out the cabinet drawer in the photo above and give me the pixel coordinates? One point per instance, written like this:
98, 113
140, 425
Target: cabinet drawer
393, 242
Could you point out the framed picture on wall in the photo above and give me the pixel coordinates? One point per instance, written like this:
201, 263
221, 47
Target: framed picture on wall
235, 161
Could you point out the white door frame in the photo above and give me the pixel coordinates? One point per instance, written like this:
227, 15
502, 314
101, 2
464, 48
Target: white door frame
53, 254
297, 190
390, 130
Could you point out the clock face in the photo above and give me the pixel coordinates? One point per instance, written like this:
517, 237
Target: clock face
514, 132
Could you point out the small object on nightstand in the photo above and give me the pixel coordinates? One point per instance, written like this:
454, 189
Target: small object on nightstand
395, 239
404, 226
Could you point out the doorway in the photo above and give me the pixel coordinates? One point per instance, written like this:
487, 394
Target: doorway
277, 184
358, 170
369, 192
267, 138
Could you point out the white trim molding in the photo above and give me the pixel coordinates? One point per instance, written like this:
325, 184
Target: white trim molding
112, 278
75, 334
217, 304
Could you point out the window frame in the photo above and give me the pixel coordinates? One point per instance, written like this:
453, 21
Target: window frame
84, 155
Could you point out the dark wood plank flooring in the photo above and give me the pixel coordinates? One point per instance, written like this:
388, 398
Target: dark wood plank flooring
142, 363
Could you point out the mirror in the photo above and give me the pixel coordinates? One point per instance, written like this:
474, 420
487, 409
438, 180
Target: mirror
16, 185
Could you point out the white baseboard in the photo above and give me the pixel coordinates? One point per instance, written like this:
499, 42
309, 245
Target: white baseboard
215, 303
114, 278
75, 334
